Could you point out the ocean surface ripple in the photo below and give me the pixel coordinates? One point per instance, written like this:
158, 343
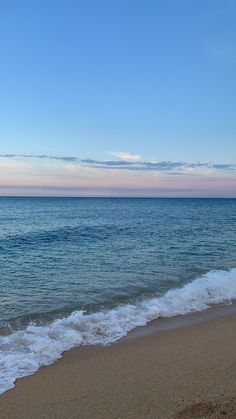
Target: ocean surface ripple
87, 271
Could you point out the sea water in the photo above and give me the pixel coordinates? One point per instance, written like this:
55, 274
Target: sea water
85, 271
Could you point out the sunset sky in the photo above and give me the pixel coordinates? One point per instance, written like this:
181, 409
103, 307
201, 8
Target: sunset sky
118, 98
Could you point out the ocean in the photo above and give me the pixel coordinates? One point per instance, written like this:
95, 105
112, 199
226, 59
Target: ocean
85, 271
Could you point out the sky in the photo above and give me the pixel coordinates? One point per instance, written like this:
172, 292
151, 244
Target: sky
118, 98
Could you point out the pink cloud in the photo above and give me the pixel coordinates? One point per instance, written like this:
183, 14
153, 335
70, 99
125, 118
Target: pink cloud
70, 178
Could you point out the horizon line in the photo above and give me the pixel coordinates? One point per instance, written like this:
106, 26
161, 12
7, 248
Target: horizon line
116, 197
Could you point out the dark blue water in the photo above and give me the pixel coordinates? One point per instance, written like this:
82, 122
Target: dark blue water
62, 254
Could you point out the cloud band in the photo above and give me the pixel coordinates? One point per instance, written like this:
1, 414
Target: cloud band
178, 167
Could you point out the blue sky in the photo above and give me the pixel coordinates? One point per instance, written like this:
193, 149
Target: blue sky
89, 79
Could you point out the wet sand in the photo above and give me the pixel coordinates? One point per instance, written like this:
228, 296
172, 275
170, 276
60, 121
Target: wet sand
187, 372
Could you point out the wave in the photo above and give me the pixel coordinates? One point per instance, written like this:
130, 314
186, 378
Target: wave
60, 234
23, 352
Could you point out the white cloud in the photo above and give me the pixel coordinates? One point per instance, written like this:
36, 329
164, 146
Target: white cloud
126, 156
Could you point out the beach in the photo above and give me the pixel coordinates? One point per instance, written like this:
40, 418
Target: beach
118, 209
187, 372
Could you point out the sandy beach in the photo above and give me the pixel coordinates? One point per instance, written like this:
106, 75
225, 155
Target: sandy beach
188, 372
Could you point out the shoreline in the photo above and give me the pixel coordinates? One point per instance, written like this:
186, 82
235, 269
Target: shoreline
149, 374
163, 324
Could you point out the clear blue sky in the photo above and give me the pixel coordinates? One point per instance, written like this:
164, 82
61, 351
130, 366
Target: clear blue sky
149, 77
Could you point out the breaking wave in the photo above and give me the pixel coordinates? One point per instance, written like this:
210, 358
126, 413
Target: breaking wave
23, 352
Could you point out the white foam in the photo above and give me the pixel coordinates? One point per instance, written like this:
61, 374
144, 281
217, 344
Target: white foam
24, 352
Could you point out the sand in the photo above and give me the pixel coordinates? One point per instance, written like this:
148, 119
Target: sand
188, 372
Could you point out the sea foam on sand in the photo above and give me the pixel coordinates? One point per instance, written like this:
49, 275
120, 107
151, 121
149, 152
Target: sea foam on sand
23, 352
